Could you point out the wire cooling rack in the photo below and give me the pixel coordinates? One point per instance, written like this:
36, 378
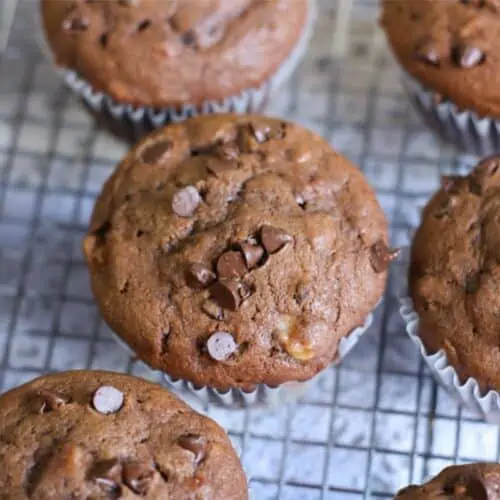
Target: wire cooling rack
365, 429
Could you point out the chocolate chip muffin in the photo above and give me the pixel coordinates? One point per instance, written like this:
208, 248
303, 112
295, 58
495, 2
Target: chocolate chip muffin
232, 251
107, 436
464, 482
455, 273
180, 56
448, 49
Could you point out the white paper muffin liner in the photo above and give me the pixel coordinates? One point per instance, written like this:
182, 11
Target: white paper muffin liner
467, 393
133, 122
263, 396
465, 129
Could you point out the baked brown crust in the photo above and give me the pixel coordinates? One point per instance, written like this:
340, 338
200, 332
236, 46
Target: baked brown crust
161, 53
57, 441
451, 47
460, 482
241, 225
455, 273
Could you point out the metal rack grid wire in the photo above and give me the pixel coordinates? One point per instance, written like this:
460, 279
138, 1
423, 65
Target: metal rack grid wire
366, 428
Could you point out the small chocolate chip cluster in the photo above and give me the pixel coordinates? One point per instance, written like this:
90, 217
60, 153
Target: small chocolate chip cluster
227, 290
113, 475
465, 55
493, 5
179, 462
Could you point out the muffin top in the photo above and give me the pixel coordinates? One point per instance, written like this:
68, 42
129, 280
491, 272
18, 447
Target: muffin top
455, 273
450, 46
162, 53
462, 482
236, 250
106, 436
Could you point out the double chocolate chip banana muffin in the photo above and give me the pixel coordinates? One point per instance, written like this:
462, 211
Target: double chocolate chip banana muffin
455, 274
107, 436
173, 58
449, 51
462, 482
232, 251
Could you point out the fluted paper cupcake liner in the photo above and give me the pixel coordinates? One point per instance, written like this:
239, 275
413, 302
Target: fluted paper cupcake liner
263, 395
465, 129
132, 122
468, 393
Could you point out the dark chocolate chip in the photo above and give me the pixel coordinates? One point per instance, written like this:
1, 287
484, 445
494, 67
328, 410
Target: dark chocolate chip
213, 310
274, 239
231, 265
252, 254
144, 25
260, 132
185, 201
468, 56
381, 256
76, 24
226, 293
129, 3
154, 152
475, 187
428, 53
103, 40
138, 476
189, 38
472, 283
46, 402
195, 444
199, 276
108, 474
221, 346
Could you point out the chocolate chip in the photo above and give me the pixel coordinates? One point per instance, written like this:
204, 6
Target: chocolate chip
226, 293
213, 310
107, 473
138, 476
252, 254
195, 444
467, 56
189, 38
199, 276
46, 402
221, 346
129, 3
274, 239
144, 25
154, 152
472, 283
76, 24
231, 265
381, 256
428, 53
475, 187
107, 399
260, 132
185, 201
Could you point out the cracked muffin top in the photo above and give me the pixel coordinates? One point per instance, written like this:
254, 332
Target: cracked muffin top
107, 436
450, 46
455, 273
236, 250
462, 482
161, 53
